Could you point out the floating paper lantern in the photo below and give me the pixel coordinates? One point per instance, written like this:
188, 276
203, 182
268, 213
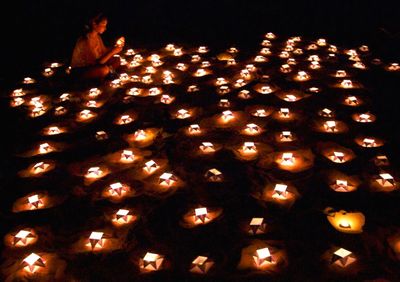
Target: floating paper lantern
346, 83
194, 129
127, 156
94, 92
118, 189
182, 114
45, 148
167, 99
257, 226
94, 173
201, 265
280, 192
386, 180
286, 136
101, 135
262, 258
167, 179
40, 167
96, 240
287, 159
342, 257
24, 238
181, 67
214, 175
302, 76
207, 147
150, 167
326, 112
33, 263
122, 217
200, 216
364, 117
151, 262
252, 129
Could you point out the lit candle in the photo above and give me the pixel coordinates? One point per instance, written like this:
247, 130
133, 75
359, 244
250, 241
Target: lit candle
167, 179
118, 189
280, 192
262, 257
201, 265
207, 147
342, 257
287, 159
150, 166
257, 226
96, 239
127, 156
34, 202
151, 262
214, 175
23, 238
33, 262
200, 215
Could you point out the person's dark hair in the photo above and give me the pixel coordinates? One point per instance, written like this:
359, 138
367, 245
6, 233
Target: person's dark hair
95, 19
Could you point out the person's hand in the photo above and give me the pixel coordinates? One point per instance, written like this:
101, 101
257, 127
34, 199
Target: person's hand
120, 42
116, 49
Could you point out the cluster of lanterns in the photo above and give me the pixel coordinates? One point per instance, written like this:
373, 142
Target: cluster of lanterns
266, 137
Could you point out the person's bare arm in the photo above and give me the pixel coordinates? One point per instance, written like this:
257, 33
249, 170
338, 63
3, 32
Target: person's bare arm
108, 55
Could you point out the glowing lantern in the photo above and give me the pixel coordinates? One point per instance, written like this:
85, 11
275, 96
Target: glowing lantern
181, 67
23, 238
351, 100
287, 159
201, 265
338, 157
122, 216
285, 68
140, 135
32, 263
86, 114
200, 215
18, 93
34, 202
284, 113
166, 99
369, 142
244, 94
257, 226
341, 73
125, 119
346, 222
252, 129
18, 101
48, 72
386, 180
151, 166
200, 72
45, 148
194, 129
342, 258
260, 113
182, 114
147, 79
347, 83
91, 104
193, 88
154, 91
214, 175
40, 167
302, 76
127, 156
366, 117
118, 189
286, 136
178, 52
167, 179
224, 103
101, 135
381, 160
28, 80
96, 239
227, 116
330, 125
249, 148
262, 257
326, 113
280, 192
134, 91
94, 172
341, 185
94, 92
207, 147
151, 262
